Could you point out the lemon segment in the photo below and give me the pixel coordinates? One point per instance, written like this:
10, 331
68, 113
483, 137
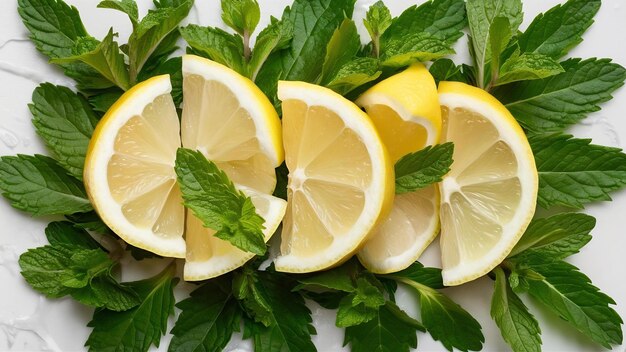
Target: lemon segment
340, 178
405, 110
129, 169
488, 198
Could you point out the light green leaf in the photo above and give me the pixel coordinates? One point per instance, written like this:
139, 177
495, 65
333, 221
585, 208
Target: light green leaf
528, 67
499, 36
341, 49
423, 168
354, 74
419, 47
241, 15
215, 44
361, 305
276, 36
376, 21
128, 7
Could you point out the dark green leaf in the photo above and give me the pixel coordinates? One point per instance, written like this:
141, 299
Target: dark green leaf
518, 326
215, 44
341, 49
89, 221
241, 15
430, 277
172, 67
570, 294
276, 36
213, 198
128, 7
560, 29
341, 278
354, 74
423, 168
551, 104
573, 172
138, 328
65, 233
391, 330
418, 47
446, 70
38, 185
102, 101
208, 318
556, 237
360, 306
528, 67
65, 121
105, 292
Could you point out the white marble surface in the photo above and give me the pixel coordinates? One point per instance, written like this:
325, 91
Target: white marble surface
29, 322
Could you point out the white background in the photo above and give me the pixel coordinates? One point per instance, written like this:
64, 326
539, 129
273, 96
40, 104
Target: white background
31, 322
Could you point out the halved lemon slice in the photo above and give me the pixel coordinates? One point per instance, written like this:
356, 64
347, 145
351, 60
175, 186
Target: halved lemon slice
405, 110
489, 196
129, 169
229, 119
340, 178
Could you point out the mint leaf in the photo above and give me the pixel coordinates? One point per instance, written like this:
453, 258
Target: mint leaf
499, 37
569, 294
417, 47
276, 36
55, 35
65, 233
360, 306
102, 101
241, 15
554, 103
340, 278
391, 330
446, 70
528, 67
289, 319
89, 221
208, 318
105, 292
560, 29
313, 23
354, 74
445, 320
556, 237
213, 198
573, 172
138, 328
128, 7
342, 47
38, 185
151, 31
481, 15
423, 168
518, 326
172, 67
376, 21
444, 19
215, 44
65, 121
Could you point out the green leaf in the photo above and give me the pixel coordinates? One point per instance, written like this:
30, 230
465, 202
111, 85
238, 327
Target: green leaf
556, 237
213, 198
354, 74
444, 19
446, 70
518, 326
215, 44
341, 49
481, 15
38, 185
241, 15
445, 320
151, 31
65, 121
376, 21
554, 103
560, 29
208, 318
106, 58
360, 306
174, 68
573, 172
289, 319
65, 233
105, 292
89, 221
276, 36
570, 294
423, 168
138, 328
128, 7
499, 37
391, 330
313, 23
340, 278
102, 101
528, 67
418, 47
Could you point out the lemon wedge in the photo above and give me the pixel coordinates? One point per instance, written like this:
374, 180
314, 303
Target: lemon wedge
340, 178
405, 110
129, 169
488, 198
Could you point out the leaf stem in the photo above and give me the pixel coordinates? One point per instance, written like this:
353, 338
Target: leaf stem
246, 46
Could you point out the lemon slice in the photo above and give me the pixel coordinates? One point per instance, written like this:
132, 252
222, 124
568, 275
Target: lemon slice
229, 119
489, 196
340, 178
405, 110
129, 169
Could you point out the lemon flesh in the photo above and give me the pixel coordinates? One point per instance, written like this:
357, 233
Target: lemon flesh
488, 198
405, 110
340, 178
